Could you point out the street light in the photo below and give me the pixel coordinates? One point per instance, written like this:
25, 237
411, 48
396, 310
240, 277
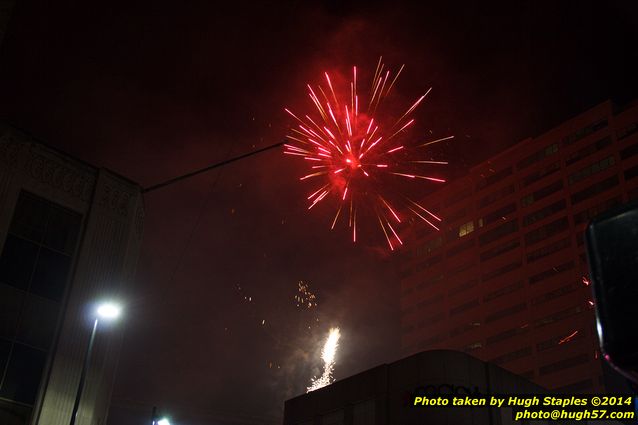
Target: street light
107, 311
163, 421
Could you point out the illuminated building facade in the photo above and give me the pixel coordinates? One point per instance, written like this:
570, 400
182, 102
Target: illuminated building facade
69, 235
503, 279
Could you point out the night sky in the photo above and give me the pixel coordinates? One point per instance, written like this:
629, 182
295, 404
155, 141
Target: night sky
156, 89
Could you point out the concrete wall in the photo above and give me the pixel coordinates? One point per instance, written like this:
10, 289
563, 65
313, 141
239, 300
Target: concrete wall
104, 266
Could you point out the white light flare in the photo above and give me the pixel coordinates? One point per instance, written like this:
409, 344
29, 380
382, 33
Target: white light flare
328, 354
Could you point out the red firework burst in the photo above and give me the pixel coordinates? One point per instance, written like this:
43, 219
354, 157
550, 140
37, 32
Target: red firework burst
357, 156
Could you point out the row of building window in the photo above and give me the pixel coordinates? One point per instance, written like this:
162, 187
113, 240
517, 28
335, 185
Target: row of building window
546, 231
558, 316
464, 307
546, 274
627, 131
584, 132
501, 270
591, 169
548, 250
586, 215
544, 212
498, 232
594, 189
510, 333
630, 151
537, 156
500, 249
458, 330
514, 355
463, 287
495, 196
556, 341
494, 178
508, 289
563, 364
541, 193
540, 174
553, 294
497, 215
588, 150
576, 387
544, 345
509, 311
460, 248
631, 173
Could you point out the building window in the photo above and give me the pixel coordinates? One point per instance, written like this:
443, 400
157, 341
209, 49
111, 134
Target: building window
513, 287
464, 307
588, 150
552, 295
537, 156
547, 250
455, 216
541, 193
592, 212
495, 196
576, 388
498, 232
594, 189
544, 212
563, 364
509, 311
464, 328
631, 172
538, 175
34, 268
551, 272
429, 282
501, 271
558, 316
546, 231
584, 132
499, 214
501, 249
461, 268
429, 301
428, 263
428, 247
627, 131
514, 355
464, 286
473, 346
632, 150
466, 229
460, 247
464, 194
556, 341
494, 178
502, 336
433, 340
591, 169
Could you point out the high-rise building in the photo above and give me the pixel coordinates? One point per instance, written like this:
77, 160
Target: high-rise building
70, 235
6, 7
505, 278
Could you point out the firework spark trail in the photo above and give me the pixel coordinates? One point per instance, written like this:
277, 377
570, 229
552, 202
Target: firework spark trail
358, 155
328, 354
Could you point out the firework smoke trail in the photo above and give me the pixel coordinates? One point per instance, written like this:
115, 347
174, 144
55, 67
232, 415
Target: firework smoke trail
328, 356
357, 153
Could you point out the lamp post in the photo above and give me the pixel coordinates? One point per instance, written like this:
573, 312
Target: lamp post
106, 311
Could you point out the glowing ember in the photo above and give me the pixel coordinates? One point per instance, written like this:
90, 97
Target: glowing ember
305, 298
328, 356
357, 154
